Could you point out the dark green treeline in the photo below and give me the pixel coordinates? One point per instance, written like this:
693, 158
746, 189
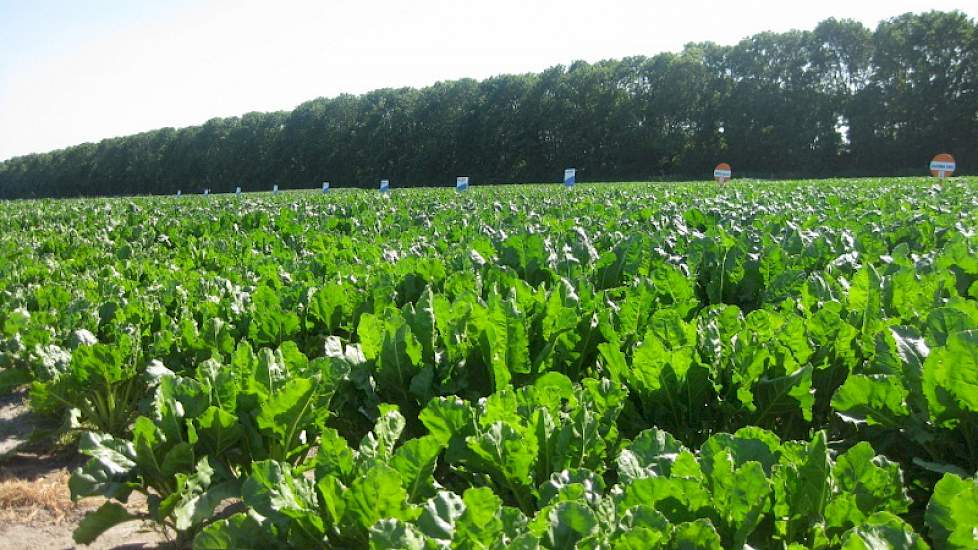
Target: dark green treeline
838, 100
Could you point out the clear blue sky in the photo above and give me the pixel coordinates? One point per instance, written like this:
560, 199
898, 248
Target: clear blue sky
84, 70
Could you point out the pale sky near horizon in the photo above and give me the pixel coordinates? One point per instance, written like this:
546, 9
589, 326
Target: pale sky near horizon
73, 71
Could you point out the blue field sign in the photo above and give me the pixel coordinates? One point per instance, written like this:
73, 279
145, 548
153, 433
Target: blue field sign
325, 187
570, 175
462, 183
385, 186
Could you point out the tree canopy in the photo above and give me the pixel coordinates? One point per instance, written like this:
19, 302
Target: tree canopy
837, 100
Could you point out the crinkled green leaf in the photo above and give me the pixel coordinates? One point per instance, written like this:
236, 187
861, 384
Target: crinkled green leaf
378, 445
696, 535
745, 445
275, 493
883, 531
334, 456
446, 418
802, 485
395, 534
651, 453
872, 399
742, 496
577, 484
679, 499
218, 430
566, 523
284, 413
107, 472
240, 531
479, 524
415, 460
785, 395
864, 484
377, 494
439, 514
952, 513
507, 453
395, 351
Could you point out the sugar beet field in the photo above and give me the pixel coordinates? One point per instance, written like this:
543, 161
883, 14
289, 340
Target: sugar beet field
781, 365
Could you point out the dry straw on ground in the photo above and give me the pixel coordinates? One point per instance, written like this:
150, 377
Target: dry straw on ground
21, 500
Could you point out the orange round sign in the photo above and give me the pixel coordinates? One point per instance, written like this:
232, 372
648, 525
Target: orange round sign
722, 173
942, 166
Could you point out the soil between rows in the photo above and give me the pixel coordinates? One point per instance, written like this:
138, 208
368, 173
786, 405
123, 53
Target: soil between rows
36, 512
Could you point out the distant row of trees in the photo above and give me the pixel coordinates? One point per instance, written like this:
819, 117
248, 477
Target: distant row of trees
838, 100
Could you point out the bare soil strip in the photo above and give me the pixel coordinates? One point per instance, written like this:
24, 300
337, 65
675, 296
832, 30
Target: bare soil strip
36, 512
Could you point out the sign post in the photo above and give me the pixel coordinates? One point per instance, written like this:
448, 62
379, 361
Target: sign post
570, 175
207, 192
942, 166
462, 183
385, 186
237, 191
722, 173
178, 192
275, 189
325, 187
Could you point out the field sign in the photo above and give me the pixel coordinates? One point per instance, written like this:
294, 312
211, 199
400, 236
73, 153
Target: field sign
325, 187
178, 192
275, 189
462, 183
942, 166
570, 175
207, 192
385, 186
722, 173
237, 191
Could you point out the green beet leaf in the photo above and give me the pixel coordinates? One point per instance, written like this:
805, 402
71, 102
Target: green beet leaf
883, 531
395, 534
952, 513
415, 460
872, 399
95, 523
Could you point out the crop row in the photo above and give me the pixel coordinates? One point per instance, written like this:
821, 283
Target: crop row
774, 365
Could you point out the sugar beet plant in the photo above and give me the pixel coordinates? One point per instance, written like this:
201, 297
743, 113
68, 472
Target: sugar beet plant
763, 365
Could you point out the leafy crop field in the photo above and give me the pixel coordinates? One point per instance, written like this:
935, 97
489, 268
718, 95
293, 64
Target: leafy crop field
767, 364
